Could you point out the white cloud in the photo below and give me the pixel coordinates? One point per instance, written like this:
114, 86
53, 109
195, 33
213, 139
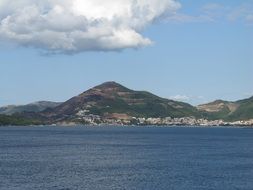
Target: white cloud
180, 98
70, 26
207, 13
213, 12
194, 100
248, 94
243, 13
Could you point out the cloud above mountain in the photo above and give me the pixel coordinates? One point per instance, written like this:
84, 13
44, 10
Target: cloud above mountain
72, 26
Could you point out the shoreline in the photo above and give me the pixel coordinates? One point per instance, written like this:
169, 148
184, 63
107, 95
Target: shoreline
134, 126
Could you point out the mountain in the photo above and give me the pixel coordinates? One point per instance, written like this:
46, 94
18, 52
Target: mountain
228, 111
112, 100
218, 109
33, 107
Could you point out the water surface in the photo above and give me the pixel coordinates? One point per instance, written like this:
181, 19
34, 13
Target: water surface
131, 158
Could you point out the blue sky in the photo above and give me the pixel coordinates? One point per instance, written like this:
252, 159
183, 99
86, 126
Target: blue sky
201, 52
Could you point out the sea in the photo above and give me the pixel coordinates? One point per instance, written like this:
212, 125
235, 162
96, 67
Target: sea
126, 158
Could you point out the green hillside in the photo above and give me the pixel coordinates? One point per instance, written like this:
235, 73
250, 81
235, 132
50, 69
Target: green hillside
146, 105
244, 110
113, 98
228, 111
16, 120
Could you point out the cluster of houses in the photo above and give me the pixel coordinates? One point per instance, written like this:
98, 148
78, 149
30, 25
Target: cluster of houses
84, 118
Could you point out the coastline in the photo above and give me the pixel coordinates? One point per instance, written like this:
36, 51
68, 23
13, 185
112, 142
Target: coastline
131, 126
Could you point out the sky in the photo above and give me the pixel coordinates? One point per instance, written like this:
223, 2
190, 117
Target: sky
188, 50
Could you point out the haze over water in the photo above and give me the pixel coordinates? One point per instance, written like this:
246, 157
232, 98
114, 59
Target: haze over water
108, 158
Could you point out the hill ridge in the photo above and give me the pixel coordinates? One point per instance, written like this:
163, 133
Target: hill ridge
111, 100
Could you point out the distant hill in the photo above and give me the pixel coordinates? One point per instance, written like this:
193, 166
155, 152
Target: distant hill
244, 110
228, 111
112, 100
17, 120
33, 107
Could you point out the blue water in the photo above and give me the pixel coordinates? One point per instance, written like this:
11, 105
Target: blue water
108, 158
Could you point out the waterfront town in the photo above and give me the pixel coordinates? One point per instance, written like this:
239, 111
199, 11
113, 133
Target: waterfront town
123, 119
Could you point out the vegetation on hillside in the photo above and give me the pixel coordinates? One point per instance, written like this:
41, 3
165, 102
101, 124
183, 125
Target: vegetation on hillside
113, 98
244, 110
228, 111
110, 100
16, 120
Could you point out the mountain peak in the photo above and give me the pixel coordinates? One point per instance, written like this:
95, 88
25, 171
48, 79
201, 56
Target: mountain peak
110, 86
